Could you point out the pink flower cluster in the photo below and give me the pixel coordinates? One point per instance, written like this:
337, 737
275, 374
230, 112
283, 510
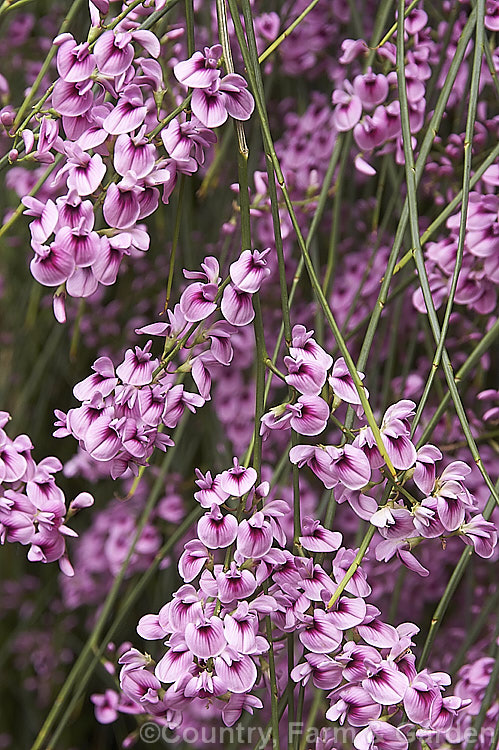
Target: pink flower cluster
123, 412
214, 630
107, 109
479, 275
32, 507
362, 104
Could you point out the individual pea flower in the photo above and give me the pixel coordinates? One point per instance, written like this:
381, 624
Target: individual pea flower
237, 306
318, 633
74, 61
205, 638
481, 534
238, 480
308, 415
315, 538
371, 88
303, 343
380, 735
349, 466
46, 218
182, 137
225, 96
354, 705
129, 112
343, 385
304, 375
134, 153
138, 366
348, 110
425, 470
216, 530
201, 69
85, 172
250, 270
254, 536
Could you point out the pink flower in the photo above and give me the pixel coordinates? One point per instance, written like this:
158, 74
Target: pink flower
138, 366
349, 466
303, 343
128, 114
342, 383
384, 683
216, 530
225, 96
52, 265
250, 270
74, 61
238, 480
200, 70
106, 706
481, 534
425, 471
121, 207
309, 415
379, 735
192, 560
318, 539
353, 705
238, 672
72, 99
197, 302
235, 584
206, 638
46, 217
237, 307
113, 52
319, 634
254, 536
134, 153
85, 172
348, 110
180, 138
305, 375
372, 89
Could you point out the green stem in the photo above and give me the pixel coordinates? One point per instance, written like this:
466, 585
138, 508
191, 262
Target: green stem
270, 150
426, 145
450, 589
470, 126
419, 258
91, 644
488, 696
176, 235
68, 20
289, 30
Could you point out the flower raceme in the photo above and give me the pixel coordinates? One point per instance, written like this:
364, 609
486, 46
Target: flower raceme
214, 630
32, 507
124, 411
238, 571
107, 102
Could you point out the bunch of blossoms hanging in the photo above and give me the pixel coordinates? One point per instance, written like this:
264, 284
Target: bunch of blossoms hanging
214, 630
367, 103
32, 507
124, 412
479, 273
108, 120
